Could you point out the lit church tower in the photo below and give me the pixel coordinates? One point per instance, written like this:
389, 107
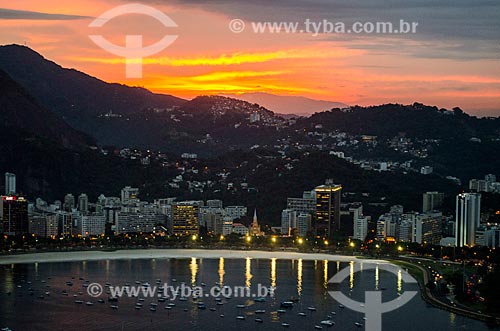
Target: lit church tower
255, 227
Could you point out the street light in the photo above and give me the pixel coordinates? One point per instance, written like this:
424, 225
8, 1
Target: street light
352, 244
193, 237
326, 242
249, 239
300, 241
273, 239
221, 237
377, 246
400, 248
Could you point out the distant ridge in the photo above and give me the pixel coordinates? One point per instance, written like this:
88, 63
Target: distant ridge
72, 93
296, 105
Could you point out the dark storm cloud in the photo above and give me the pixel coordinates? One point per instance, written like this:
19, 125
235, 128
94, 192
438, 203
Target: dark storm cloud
461, 29
12, 14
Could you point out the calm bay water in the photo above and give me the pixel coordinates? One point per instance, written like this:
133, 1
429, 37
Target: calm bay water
304, 280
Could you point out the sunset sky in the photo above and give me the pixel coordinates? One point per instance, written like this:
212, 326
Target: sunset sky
452, 60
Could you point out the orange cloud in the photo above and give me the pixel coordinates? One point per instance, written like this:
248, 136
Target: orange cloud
232, 59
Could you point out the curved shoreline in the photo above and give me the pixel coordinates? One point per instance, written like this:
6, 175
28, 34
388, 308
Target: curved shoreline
171, 253
137, 254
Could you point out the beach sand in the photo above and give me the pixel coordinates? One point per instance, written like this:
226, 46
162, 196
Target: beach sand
170, 253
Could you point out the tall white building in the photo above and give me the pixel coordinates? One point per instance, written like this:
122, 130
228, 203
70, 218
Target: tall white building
92, 225
227, 226
467, 218
427, 228
83, 203
69, 202
387, 226
361, 228
360, 223
129, 194
288, 221
10, 183
304, 222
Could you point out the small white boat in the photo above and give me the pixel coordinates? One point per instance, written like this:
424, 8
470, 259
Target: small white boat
358, 324
259, 320
341, 306
79, 302
311, 308
89, 303
240, 306
240, 317
281, 311
260, 311
152, 309
318, 327
327, 323
285, 325
114, 307
302, 314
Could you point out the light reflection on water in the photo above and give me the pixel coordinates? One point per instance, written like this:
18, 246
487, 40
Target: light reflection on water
273, 272
400, 282
325, 274
351, 275
221, 271
310, 284
299, 278
193, 267
248, 272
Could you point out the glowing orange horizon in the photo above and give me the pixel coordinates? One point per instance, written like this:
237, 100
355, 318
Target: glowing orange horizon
208, 59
